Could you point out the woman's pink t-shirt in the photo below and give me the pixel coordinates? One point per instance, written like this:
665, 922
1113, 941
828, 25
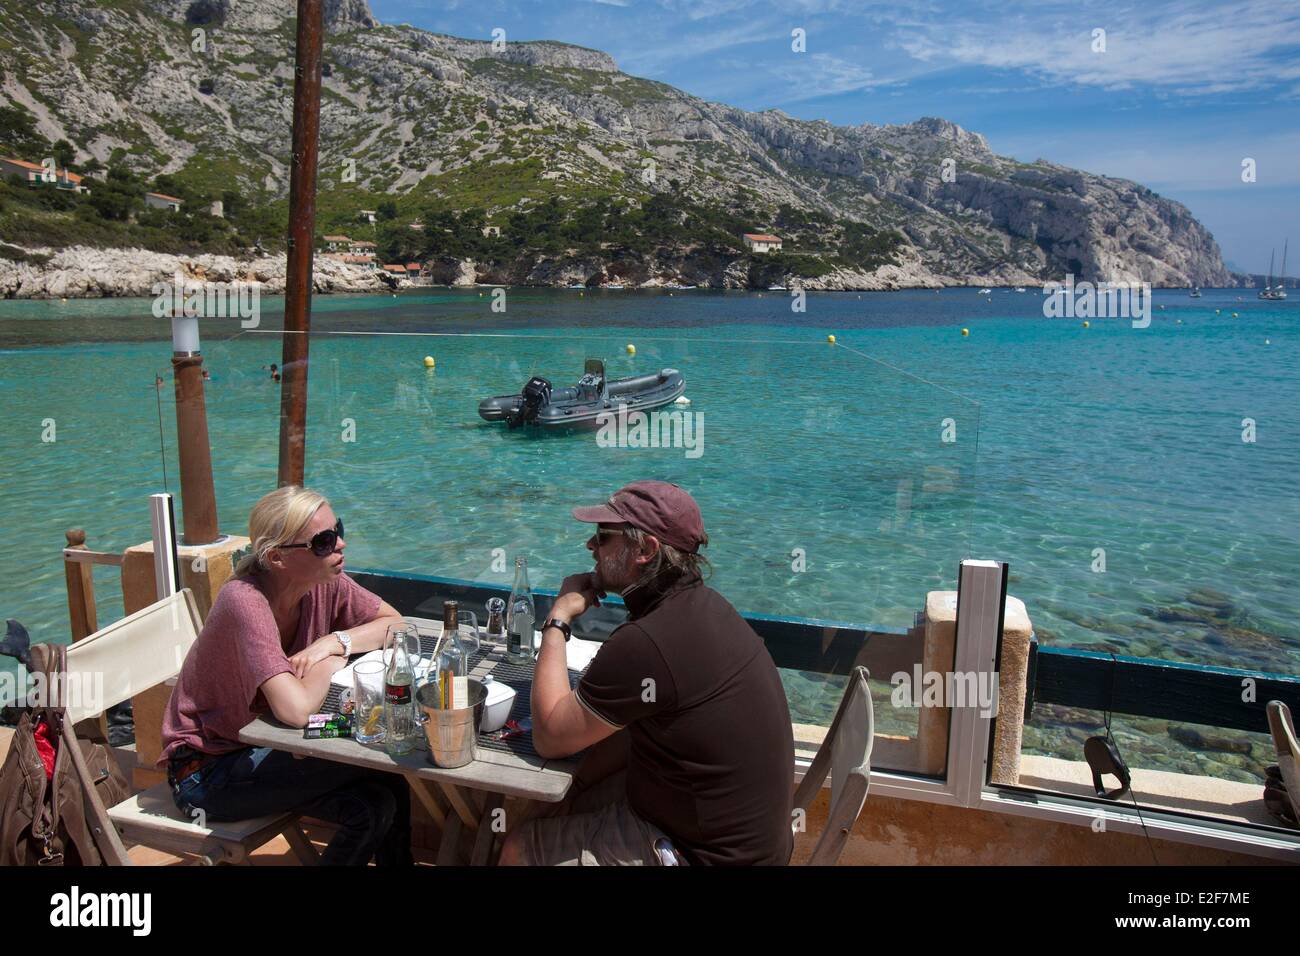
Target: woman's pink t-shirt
219, 691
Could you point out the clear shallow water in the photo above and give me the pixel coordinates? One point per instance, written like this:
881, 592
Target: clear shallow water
1067, 441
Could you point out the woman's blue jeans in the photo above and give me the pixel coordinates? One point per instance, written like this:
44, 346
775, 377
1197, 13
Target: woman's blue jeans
372, 808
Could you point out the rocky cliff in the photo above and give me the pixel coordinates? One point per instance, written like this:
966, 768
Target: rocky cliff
202, 90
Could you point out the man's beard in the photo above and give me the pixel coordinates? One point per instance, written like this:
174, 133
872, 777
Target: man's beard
608, 572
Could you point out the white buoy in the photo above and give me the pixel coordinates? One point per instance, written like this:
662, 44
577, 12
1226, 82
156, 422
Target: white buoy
681, 400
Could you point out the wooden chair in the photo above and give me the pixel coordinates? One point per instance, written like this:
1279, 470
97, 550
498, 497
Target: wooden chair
130, 656
1288, 751
846, 755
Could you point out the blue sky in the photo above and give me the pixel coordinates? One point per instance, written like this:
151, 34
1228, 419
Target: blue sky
1182, 93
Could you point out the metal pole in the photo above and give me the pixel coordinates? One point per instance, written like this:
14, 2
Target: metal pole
302, 228
166, 563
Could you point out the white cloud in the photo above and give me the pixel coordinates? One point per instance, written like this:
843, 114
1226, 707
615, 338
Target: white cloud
1245, 46
813, 75
675, 48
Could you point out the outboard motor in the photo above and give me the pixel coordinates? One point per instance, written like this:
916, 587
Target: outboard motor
536, 396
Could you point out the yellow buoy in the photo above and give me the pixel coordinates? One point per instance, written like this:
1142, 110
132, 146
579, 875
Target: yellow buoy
631, 349
830, 339
428, 361
965, 331
1086, 325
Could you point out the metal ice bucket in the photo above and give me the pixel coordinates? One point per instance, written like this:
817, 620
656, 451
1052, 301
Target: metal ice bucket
451, 733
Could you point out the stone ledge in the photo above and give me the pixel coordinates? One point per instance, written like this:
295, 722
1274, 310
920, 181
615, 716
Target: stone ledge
1156, 789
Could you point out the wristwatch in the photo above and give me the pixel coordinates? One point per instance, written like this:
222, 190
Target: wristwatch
346, 640
564, 627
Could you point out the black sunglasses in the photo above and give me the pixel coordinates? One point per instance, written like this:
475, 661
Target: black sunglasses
323, 543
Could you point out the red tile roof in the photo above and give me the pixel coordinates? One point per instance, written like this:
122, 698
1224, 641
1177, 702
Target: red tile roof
165, 196
23, 164
337, 239
762, 237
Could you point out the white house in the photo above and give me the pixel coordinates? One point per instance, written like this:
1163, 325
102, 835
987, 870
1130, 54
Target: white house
163, 201
762, 242
335, 243
366, 215
36, 175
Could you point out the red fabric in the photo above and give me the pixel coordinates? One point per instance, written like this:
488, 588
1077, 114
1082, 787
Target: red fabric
45, 747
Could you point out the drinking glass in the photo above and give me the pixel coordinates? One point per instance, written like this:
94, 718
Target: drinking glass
368, 698
467, 628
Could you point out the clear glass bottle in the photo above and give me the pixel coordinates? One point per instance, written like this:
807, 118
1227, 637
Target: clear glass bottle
521, 617
399, 702
453, 660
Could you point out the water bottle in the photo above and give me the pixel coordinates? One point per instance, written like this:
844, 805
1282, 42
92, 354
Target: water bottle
521, 615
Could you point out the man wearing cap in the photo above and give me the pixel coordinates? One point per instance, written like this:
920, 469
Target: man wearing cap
684, 691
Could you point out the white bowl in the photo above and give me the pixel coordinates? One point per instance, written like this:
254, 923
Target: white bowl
496, 709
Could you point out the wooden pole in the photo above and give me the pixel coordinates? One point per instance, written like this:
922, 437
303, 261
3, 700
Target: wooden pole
81, 589
198, 499
302, 231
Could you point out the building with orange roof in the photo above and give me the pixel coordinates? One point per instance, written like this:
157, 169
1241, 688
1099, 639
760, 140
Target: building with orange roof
35, 174
762, 242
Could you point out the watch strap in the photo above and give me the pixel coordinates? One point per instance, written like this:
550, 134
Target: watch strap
564, 627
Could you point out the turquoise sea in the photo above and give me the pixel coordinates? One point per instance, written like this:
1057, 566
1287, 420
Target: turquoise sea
840, 481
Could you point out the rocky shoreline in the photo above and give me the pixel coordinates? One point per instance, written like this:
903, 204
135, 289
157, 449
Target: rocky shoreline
81, 272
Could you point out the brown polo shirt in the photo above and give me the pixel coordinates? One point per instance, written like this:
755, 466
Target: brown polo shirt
711, 760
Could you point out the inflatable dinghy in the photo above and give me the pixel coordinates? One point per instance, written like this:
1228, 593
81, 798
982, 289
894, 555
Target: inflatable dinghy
581, 405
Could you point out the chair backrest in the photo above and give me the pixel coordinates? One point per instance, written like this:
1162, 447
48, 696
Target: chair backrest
131, 655
846, 755
1288, 750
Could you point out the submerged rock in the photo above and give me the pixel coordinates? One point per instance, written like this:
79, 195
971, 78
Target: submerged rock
1209, 738
1208, 597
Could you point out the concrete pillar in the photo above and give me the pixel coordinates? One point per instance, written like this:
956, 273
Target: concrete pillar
938, 655
204, 569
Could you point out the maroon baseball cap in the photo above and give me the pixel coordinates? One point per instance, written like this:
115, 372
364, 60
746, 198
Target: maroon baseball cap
656, 507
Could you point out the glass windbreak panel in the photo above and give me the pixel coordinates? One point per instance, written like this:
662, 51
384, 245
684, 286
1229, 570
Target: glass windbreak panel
1141, 504
836, 491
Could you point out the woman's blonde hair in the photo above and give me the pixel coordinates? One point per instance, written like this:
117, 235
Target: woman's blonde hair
276, 520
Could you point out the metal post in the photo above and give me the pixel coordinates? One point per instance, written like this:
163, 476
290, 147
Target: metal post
302, 228
166, 564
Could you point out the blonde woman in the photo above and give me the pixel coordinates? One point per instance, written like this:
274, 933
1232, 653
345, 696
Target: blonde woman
277, 632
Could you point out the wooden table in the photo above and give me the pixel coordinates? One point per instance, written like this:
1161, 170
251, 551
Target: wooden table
458, 800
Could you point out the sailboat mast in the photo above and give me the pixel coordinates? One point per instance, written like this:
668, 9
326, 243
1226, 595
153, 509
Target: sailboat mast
1281, 279
1269, 283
